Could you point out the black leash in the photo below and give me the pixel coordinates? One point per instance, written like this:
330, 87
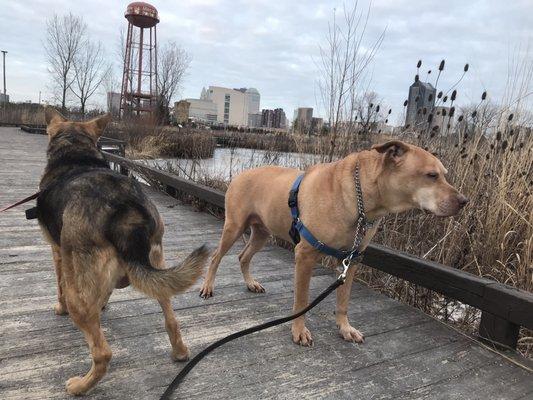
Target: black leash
192, 363
18, 203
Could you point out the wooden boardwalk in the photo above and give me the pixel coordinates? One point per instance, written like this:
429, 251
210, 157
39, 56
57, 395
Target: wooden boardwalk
407, 355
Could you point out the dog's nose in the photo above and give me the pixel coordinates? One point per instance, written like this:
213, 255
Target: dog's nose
462, 200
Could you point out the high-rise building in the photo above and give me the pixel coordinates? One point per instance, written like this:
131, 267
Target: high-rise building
280, 120
253, 100
267, 118
254, 120
317, 124
441, 118
113, 103
303, 117
420, 104
273, 118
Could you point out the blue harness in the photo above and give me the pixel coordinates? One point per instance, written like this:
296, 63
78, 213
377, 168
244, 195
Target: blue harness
298, 229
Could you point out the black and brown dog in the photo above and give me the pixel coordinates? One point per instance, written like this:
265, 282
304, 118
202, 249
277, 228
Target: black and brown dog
104, 233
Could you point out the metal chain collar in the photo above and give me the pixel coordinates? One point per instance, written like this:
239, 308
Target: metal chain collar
362, 224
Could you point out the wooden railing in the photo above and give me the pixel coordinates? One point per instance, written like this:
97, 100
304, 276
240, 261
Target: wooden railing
504, 308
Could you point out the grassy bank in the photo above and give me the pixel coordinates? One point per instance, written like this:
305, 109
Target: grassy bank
288, 142
149, 141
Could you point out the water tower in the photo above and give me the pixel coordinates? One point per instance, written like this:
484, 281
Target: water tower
139, 80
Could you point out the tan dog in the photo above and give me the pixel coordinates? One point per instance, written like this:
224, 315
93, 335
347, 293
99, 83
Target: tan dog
394, 176
104, 232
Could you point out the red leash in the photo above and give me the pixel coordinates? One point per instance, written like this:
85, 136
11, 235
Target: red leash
18, 203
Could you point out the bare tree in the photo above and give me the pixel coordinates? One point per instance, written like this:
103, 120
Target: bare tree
173, 62
64, 38
90, 70
369, 111
343, 63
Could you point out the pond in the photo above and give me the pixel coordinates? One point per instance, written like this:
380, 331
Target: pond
228, 162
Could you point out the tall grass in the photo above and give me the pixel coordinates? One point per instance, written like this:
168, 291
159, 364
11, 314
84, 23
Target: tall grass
147, 140
492, 237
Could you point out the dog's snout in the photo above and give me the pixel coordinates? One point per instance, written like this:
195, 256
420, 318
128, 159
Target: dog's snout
462, 200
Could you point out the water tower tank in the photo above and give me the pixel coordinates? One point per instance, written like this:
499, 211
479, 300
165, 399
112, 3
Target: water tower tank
139, 78
142, 15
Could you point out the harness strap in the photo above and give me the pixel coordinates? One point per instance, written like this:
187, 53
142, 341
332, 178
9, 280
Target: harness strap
299, 229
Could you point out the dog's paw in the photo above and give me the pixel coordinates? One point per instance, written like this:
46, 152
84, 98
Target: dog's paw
302, 336
206, 291
75, 386
181, 355
255, 287
351, 334
60, 309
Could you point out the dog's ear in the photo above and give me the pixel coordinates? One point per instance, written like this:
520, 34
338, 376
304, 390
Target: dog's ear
53, 116
394, 149
97, 125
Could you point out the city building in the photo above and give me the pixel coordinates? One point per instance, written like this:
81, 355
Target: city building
419, 104
302, 118
113, 103
280, 120
254, 120
441, 118
204, 111
253, 100
267, 118
317, 124
233, 105
273, 119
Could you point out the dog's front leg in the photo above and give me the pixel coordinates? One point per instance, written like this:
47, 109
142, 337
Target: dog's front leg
347, 331
306, 258
61, 307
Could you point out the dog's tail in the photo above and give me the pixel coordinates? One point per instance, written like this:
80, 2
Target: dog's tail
164, 283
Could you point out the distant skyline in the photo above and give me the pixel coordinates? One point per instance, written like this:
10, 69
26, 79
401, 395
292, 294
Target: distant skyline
274, 45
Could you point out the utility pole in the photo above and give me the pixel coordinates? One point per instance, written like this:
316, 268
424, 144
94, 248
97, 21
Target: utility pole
4, 52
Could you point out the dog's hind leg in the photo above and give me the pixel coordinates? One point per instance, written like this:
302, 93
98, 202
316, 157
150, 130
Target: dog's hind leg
230, 234
84, 304
61, 307
180, 352
258, 238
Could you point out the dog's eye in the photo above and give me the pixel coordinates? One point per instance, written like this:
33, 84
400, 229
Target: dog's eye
432, 175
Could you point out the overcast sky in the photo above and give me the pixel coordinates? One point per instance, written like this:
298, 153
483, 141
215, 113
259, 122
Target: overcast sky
274, 45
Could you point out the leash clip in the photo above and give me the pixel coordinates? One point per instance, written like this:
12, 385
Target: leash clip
345, 265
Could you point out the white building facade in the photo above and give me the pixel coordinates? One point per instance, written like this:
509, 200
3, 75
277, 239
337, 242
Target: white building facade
234, 106
204, 111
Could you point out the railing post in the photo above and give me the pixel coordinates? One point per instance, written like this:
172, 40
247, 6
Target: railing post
498, 331
170, 191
